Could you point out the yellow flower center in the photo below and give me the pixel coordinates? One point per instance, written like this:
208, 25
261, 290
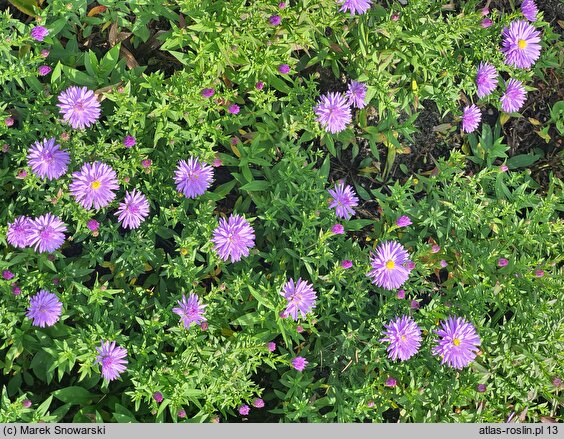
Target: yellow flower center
95, 185
456, 342
403, 338
522, 44
390, 265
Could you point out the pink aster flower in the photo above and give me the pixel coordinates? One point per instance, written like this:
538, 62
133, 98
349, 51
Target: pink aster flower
521, 44
234, 109
93, 225
403, 221
275, 20
458, 342
38, 33
401, 294
355, 6
44, 70
208, 92
486, 79
94, 185
388, 265
192, 177
26, 403
79, 107
529, 10
259, 85
514, 97
244, 410
133, 209
129, 141
112, 358
343, 200
504, 168
356, 94
333, 112
47, 160
471, 118
539, 273
44, 53
45, 309
233, 238
190, 310
299, 363
443, 263
481, 388
7, 275
9, 121
404, 338
284, 69
337, 229
47, 233
486, 22
19, 232
301, 298
346, 264
158, 397
391, 382
258, 403
271, 346
502, 262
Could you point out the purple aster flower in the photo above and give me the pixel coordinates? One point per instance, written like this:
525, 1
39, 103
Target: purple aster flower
233, 238
275, 20
234, 109
346, 264
158, 397
112, 358
391, 382
502, 262
271, 346
299, 363
44, 70
258, 403
337, 229
414, 304
244, 410
9, 121
514, 97
356, 93
344, 199
16, 291
38, 33
282, 5
401, 294
458, 342
133, 209
333, 112
529, 10
388, 270
486, 79
47, 160
403, 221
486, 22
93, 185
481, 388
190, 310
44, 309
284, 68
208, 92
7, 275
47, 233
520, 44
79, 107
129, 141
471, 118
443, 263
355, 6
192, 177
19, 232
259, 85
300, 296
93, 225
404, 337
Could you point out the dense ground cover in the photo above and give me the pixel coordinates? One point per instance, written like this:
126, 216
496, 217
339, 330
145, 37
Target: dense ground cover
310, 210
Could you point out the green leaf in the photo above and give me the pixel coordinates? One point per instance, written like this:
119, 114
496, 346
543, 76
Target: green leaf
522, 160
26, 6
74, 395
256, 185
109, 61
